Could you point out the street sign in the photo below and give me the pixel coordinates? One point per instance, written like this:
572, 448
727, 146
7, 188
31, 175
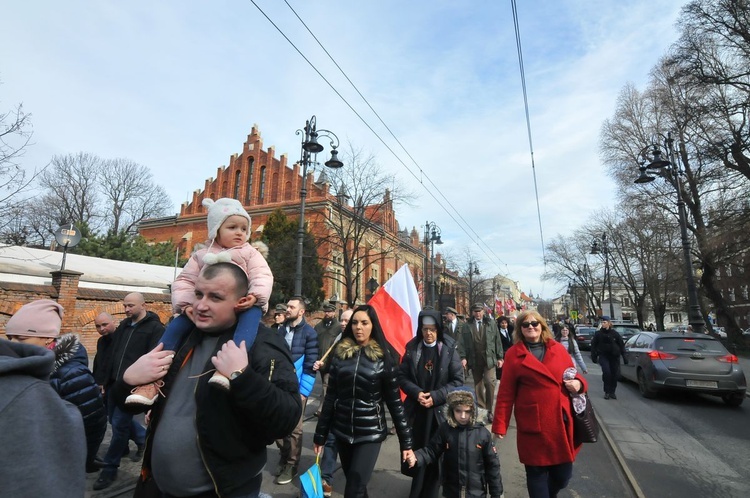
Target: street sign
574, 314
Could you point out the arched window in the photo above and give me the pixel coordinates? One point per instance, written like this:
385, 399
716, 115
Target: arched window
262, 192
237, 185
275, 187
288, 191
249, 190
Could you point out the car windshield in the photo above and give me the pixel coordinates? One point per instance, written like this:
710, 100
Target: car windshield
585, 331
677, 344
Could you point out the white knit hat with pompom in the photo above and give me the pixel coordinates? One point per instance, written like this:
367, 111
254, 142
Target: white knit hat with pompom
221, 210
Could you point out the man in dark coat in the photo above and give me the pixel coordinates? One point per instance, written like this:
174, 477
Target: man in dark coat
204, 441
606, 348
138, 334
328, 329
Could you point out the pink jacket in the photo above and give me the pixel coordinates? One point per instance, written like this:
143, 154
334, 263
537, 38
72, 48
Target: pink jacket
245, 256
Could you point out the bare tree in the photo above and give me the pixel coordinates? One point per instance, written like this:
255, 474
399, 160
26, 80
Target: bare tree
15, 138
130, 195
71, 185
361, 233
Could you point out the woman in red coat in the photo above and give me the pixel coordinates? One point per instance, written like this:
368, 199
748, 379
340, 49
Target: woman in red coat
533, 382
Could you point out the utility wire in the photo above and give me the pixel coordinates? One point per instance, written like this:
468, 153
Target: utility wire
421, 171
528, 124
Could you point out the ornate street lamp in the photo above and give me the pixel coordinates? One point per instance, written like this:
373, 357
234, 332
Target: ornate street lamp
473, 270
431, 237
671, 170
595, 249
310, 149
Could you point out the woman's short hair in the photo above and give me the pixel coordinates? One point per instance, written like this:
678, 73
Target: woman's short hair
535, 316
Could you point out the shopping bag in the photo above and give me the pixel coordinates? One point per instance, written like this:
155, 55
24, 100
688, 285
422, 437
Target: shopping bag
311, 483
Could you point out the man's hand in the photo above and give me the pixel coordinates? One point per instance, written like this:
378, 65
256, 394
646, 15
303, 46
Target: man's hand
317, 449
230, 358
425, 399
463, 362
318, 365
150, 367
500, 363
245, 303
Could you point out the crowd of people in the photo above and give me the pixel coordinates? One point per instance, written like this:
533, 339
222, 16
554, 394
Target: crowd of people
218, 386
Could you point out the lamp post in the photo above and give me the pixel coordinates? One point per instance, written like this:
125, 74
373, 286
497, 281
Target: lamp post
309, 152
473, 270
431, 237
671, 171
595, 249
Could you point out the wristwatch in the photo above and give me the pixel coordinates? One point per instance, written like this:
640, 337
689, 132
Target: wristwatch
235, 374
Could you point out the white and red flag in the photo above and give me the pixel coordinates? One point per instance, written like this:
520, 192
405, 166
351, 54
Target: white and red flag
397, 305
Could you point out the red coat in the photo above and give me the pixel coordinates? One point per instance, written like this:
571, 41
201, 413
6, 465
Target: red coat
541, 400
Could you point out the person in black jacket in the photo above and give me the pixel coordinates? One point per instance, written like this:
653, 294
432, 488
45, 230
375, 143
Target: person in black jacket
606, 348
138, 334
471, 466
72, 380
362, 379
429, 369
211, 442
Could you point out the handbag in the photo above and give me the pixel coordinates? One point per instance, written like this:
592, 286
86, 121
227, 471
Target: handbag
311, 483
585, 425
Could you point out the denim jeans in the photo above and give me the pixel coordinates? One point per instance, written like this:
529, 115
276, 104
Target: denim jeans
124, 428
547, 481
328, 460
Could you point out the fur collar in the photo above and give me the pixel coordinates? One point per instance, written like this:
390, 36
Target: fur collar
66, 347
347, 348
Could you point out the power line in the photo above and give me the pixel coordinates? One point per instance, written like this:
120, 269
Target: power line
478, 241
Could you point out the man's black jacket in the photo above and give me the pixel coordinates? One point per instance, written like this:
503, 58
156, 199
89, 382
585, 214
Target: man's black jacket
130, 343
234, 427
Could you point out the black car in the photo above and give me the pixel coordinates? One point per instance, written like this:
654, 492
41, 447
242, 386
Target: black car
626, 329
583, 337
687, 362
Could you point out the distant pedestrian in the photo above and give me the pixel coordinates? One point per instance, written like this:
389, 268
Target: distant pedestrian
451, 325
39, 323
279, 316
363, 380
505, 329
228, 234
606, 348
42, 441
568, 341
533, 390
470, 463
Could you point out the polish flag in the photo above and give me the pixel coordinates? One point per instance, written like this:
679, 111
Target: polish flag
397, 305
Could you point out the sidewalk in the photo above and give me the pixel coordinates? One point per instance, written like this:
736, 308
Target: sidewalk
593, 461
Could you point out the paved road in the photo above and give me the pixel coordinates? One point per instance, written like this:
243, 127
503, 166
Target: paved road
678, 444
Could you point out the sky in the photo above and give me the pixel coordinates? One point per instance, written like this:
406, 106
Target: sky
178, 85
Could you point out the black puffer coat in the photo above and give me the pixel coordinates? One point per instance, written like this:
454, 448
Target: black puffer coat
358, 387
73, 381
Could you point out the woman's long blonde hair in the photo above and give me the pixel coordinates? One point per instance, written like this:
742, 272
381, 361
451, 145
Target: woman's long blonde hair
531, 315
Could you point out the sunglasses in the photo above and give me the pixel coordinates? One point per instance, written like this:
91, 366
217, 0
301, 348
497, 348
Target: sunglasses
529, 324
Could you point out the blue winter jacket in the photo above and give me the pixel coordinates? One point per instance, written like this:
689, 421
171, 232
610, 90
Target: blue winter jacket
304, 354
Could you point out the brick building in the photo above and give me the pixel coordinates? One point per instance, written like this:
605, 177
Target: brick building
264, 183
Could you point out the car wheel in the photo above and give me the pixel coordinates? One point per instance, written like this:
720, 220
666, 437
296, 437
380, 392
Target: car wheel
643, 387
733, 399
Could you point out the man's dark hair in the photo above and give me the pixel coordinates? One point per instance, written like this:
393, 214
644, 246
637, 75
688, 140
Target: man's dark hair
238, 275
300, 300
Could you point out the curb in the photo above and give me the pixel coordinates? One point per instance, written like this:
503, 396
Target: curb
629, 477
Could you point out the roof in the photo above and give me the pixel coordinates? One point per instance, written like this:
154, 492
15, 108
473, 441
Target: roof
34, 266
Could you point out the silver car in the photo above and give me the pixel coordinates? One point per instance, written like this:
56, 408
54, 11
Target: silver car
688, 362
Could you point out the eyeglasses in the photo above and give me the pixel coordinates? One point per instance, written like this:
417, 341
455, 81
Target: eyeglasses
529, 324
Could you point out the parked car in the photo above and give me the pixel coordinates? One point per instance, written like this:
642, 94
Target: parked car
688, 362
626, 329
583, 336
